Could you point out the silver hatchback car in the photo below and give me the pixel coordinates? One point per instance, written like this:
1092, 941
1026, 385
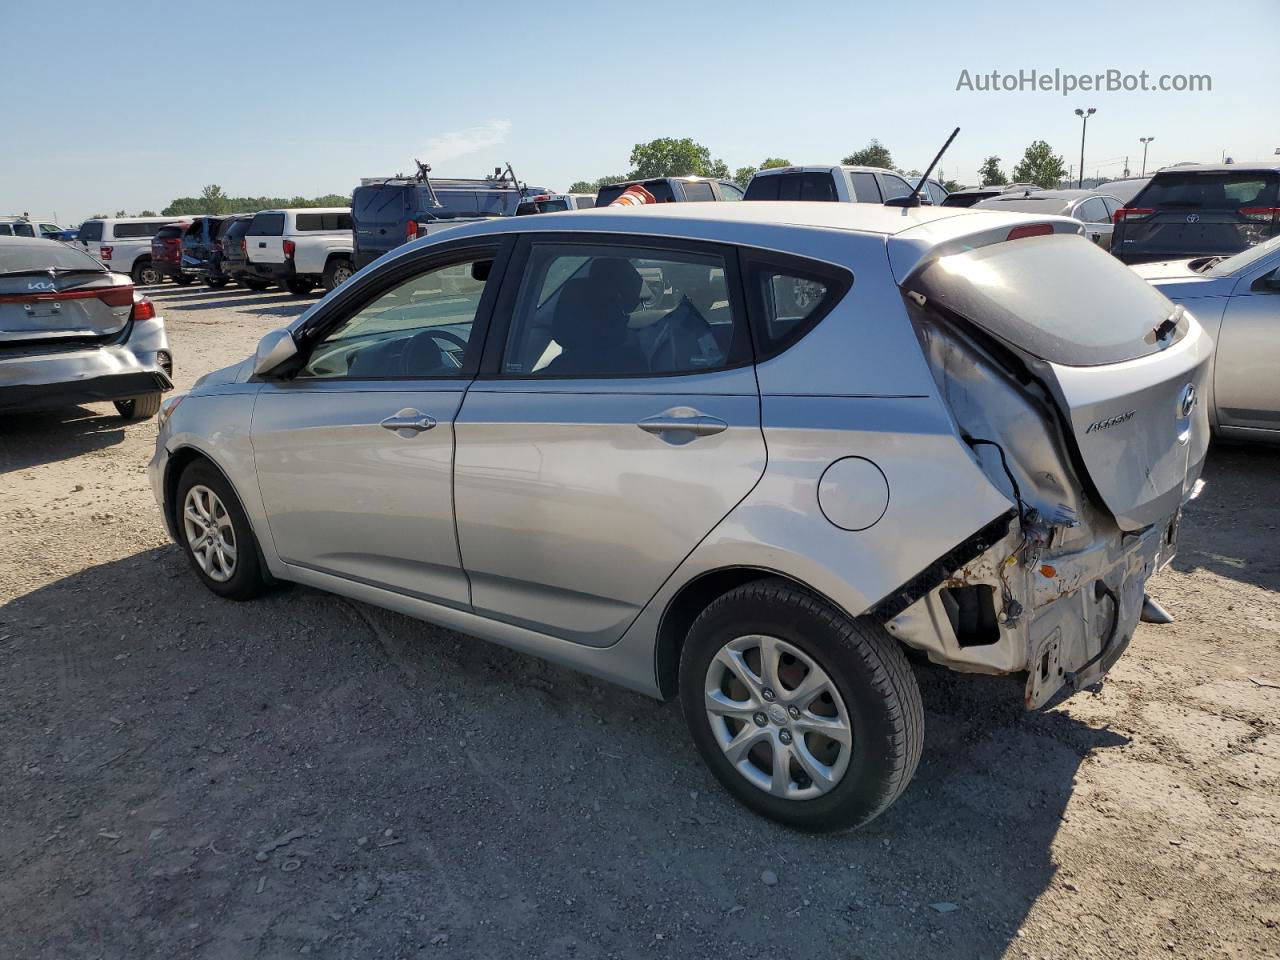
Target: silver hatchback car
741, 454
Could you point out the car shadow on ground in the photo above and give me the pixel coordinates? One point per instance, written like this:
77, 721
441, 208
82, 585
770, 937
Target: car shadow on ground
494, 787
1239, 500
247, 300
28, 439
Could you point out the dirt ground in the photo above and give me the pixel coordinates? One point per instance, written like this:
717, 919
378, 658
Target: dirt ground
183, 776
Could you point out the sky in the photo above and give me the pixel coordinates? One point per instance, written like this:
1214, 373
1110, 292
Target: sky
129, 105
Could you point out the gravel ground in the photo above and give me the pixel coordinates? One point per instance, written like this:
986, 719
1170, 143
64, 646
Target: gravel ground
182, 776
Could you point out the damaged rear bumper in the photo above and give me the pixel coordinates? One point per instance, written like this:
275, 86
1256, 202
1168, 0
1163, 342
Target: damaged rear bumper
35, 380
1062, 617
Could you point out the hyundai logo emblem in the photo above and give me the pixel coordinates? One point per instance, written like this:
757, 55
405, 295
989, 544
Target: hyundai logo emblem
1193, 218
1188, 401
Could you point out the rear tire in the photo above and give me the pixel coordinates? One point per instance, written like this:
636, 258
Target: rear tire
337, 272
236, 574
217, 284
299, 287
872, 701
145, 274
139, 408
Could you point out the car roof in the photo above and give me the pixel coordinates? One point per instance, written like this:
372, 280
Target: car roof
8, 241
1247, 165
305, 210
822, 168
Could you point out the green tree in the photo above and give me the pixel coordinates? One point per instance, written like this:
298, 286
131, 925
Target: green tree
668, 157
1040, 166
147, 213
215, 201
990, 172
718, 169
582, 186
874, 154
951, 186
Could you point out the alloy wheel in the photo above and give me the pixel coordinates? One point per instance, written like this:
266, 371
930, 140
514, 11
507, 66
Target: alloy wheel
778, 717
210, 534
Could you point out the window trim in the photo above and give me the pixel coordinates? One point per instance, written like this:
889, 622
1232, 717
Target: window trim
503, 315
838, 281
356, 296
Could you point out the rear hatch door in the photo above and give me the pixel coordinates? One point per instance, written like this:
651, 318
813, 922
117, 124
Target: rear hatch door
166, 245
264, 240
380, 214
1126, 368
1184, 214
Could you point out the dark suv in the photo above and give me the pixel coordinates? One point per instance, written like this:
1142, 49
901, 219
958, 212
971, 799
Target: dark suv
388, 212
233, 262
675, 190
198, 246
166, 253
1199, 210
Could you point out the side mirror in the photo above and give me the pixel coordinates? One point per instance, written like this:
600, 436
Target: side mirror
273, 349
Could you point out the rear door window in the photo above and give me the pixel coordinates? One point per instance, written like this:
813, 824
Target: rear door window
730, 191
266, 225
90, 230
865, 187
24, 230
764, 188
1093, 210
698, 191
1059, 297
894, 186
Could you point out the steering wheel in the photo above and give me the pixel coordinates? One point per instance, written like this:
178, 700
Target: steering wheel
446, 335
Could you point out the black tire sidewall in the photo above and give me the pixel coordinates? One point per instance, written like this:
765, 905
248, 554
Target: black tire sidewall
247, 581
815, 629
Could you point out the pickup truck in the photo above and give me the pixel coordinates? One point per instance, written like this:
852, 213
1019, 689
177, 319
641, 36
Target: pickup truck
842, 184
674, 190
297, 249
124, 244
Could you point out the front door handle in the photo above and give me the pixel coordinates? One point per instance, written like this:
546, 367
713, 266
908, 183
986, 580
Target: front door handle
409, 423
682, 424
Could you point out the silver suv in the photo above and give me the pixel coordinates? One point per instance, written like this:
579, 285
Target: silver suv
742, 454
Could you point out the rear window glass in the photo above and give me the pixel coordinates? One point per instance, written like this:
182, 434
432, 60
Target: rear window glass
90, 230
764, 188
266, 225
322, 221
43, 256
660, 189
381, 203
1060, 298
136, 231
168, 233
1209, 191
585, 203
237, 229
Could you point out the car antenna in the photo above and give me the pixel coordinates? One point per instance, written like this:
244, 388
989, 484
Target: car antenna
913, 198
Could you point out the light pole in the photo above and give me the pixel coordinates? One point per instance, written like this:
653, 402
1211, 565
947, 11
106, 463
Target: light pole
1144, 141
1083, 115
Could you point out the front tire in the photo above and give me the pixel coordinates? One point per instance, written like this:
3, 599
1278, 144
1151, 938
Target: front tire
807, 717
215, 534
139, 408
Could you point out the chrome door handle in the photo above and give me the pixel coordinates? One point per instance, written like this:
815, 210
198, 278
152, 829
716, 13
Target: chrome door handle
408, 422
683, 420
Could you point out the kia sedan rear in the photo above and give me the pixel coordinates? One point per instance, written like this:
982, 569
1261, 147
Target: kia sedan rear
72, 332
743, 455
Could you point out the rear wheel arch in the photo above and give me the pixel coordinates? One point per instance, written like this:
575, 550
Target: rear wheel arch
694, 597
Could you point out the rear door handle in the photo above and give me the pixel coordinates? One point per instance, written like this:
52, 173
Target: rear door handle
684, 422
409, 422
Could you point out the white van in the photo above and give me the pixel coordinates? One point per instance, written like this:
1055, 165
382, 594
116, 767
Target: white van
124, 244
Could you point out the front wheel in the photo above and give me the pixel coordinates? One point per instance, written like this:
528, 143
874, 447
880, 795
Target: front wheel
139, 408
337, 272
215, 534
146, 274
806, 716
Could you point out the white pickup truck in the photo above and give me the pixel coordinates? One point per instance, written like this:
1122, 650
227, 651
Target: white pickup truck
124, 244
298, 249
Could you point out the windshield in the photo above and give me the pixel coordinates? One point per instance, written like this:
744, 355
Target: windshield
1227, 266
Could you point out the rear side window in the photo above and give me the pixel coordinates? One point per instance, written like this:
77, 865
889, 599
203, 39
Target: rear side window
1059, 297
1209, 191
266, 225
763, 188
24, 230
6, 230
661, 190
730, 191
91, 230
865, 187
1093, 211
788, 296
311, 222
584, 203
136, 231
698, 191
936, 192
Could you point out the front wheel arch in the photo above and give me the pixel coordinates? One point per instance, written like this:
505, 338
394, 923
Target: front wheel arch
179, 460
694, 597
